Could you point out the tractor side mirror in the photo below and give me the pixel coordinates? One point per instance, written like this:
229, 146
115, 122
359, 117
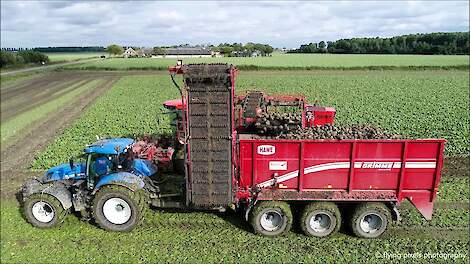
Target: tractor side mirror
71, 163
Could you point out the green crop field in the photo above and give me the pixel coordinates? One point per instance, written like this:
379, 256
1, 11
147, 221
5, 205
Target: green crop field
291, 61
72, 56
431, 103
421, 104
212, 238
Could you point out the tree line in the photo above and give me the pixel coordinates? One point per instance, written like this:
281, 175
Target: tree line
21, 58
70, 49
234, 49
432, 43
228, 49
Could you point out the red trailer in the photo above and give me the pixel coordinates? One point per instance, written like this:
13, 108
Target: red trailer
345, 171
271, 178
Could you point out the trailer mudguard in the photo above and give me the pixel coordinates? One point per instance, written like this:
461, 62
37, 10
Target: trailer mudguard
125, 179
55, 189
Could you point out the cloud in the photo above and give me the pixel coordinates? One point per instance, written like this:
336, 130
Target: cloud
280, 23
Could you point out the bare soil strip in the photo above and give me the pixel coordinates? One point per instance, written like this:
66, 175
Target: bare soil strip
456, 167
26, 102
16, 157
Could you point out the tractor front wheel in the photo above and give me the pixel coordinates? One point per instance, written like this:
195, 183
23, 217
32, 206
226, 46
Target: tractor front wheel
271, 218
43, 210
117, 208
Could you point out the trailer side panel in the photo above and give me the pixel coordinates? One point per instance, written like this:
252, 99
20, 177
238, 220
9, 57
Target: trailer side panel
347, 170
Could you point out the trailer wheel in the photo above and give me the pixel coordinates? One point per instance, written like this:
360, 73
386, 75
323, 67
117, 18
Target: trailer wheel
43, 210
320, 219
370, 220
271, 218
117, 208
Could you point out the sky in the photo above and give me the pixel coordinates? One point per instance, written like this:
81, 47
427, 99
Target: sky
278, 23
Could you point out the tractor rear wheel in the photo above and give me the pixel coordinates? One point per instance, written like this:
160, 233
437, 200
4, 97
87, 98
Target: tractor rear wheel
271, 218
320, 219
370, 220
117, 208
43, 210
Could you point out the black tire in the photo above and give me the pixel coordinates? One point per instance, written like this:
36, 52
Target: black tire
279, 210
326, 210
137, 202
49, 204
376, 217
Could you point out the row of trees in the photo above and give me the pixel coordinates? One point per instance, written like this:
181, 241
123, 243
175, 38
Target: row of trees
227, 49
432, 43
70, 49
20, 58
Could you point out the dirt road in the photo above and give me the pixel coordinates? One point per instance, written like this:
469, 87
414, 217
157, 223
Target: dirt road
45, 67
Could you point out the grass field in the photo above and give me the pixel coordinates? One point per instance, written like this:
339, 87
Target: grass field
291, 61
72, 56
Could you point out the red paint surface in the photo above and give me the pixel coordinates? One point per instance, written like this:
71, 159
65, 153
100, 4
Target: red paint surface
381, 176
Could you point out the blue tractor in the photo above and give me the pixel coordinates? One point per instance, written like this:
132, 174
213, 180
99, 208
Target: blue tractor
107, 184
113, 186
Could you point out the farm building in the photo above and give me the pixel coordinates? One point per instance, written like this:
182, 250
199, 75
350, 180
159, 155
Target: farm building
246, 53
129, 53
187, 53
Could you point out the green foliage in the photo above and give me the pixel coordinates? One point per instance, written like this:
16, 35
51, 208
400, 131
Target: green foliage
414, 104
130, 108
30, 56
430, 104
159, 51
433, 43
114, 49
71, 49
247, 49
72, 56
454, 189
7, 58
170, 237
19, 58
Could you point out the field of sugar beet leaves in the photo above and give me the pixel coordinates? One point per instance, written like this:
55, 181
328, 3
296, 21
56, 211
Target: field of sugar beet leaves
418, 104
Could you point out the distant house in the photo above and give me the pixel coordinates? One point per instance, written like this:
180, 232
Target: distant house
246, 53
129, 53
255, 53
186, 53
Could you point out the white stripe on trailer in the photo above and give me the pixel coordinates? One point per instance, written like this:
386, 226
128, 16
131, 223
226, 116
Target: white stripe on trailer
420, 165
327, 166
341, 165
312, 169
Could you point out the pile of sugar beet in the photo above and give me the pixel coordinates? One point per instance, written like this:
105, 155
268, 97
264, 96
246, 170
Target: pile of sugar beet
288, 126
